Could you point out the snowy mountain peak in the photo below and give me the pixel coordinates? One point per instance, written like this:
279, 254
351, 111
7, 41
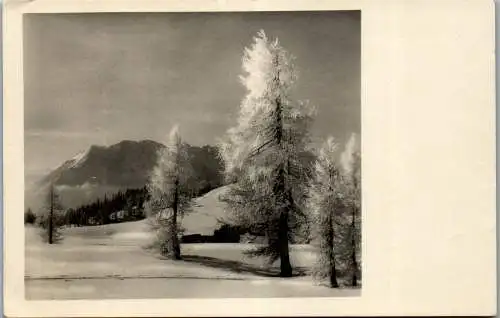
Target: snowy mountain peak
79, 159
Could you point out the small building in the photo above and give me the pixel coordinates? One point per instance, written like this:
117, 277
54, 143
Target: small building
117, 216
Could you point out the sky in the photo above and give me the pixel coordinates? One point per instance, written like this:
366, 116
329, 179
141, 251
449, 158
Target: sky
99, 78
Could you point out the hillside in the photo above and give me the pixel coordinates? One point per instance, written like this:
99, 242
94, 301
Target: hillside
207, 210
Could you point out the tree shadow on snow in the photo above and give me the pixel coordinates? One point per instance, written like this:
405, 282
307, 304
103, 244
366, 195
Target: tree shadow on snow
239, 267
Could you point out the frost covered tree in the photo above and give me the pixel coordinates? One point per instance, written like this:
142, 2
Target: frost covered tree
51, 217
325, 200
351, 166
262, 152
334, 201
169, 194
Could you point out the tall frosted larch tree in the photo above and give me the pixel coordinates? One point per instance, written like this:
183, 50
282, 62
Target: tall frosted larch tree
325, 203
351, 166
169, 194
262, 153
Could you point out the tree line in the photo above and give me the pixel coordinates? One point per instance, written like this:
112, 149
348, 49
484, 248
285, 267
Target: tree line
103, 211
53, 215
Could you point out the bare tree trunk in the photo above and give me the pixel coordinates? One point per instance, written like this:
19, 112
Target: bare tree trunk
353, 254
285, 266
280, 191
175, 249
283, 227
51, 216
332, 269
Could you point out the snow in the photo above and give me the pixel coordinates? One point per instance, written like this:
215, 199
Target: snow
79, 159
120, 250
174, 288
74, 162
100, 252
207, 210
113, 261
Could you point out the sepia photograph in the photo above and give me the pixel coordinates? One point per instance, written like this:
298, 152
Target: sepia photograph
245, 158
192, 155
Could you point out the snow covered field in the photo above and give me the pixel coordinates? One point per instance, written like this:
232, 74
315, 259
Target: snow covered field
113, 261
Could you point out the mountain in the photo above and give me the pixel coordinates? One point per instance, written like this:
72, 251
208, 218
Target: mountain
126, 165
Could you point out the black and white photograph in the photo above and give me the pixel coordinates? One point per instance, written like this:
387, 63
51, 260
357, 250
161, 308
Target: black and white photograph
245, 158
192, 155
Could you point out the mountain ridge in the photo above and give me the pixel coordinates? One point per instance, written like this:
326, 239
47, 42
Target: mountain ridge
124, 165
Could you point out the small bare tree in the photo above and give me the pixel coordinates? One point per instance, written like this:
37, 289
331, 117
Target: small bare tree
29, 217
51, 217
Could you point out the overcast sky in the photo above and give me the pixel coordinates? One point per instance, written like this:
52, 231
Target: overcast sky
102, 78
